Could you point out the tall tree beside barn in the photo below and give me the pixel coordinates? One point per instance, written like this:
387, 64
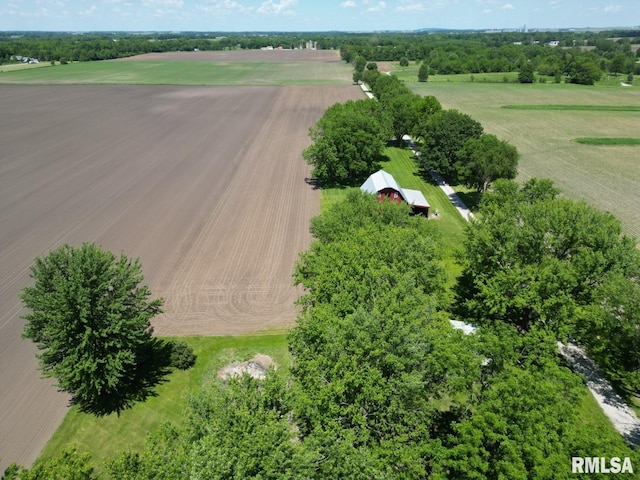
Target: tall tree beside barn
349, 141
486, 159
443, 136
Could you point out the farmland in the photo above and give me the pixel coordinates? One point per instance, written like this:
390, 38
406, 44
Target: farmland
606, 176
206, 185
262, 67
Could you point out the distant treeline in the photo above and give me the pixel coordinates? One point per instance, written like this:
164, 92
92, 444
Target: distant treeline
502, 52
461, 52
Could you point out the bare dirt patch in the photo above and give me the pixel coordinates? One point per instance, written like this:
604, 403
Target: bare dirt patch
206, 185
239, 56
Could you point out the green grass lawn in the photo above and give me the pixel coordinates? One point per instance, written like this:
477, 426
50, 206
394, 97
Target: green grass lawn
105, 437
184, 73
12, 67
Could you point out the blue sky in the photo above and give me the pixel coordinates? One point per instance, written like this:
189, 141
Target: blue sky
312, 15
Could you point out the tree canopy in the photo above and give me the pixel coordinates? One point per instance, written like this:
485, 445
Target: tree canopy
348, 142
485, 159
536, 260
90, 318
382, 386
443, 136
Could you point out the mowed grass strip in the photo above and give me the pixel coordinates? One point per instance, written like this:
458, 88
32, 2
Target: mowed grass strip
185, 73
450, 224
608, 141
593, 108
105, 437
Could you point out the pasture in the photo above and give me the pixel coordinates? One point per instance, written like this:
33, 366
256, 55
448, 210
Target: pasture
206, 185
196, 68
607, 176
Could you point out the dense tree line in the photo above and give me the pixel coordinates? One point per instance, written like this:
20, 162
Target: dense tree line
349, 140
105, 46
506, 52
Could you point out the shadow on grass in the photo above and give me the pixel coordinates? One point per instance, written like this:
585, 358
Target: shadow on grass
470, 199
153, 367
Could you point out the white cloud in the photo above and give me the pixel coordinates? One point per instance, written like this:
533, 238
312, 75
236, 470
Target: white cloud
507, 6
348, 4
432, 5
223, 7
411, 7
612, 8
89, 12
378, 8
272, 8
161, 4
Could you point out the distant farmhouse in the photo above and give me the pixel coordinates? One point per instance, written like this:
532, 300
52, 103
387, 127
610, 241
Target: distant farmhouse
22, 59
385, 186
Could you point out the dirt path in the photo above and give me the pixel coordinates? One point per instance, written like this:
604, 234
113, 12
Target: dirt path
623, 418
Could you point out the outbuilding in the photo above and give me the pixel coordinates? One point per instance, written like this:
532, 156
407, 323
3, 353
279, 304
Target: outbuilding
383, 185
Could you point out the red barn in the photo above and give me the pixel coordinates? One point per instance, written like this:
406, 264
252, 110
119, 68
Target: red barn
385, 186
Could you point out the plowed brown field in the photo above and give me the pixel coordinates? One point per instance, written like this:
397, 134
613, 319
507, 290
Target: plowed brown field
206, 185
239, 56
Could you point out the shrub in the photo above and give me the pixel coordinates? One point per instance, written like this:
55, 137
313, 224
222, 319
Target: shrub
182, 355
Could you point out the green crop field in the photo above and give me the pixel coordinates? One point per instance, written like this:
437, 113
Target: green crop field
607, 176
183, 73
609, 141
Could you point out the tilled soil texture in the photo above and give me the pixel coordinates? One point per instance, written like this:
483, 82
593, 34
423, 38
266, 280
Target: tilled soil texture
206, 185
239, 56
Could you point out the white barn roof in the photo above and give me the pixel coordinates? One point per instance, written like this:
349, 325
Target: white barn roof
415, 198
379, 181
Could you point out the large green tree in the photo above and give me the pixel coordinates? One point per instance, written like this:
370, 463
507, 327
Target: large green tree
483, 160
536, 260
443, 136
610, 329
90, 318
526, 74
584, 70
372, 355
533, 258
348, 142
